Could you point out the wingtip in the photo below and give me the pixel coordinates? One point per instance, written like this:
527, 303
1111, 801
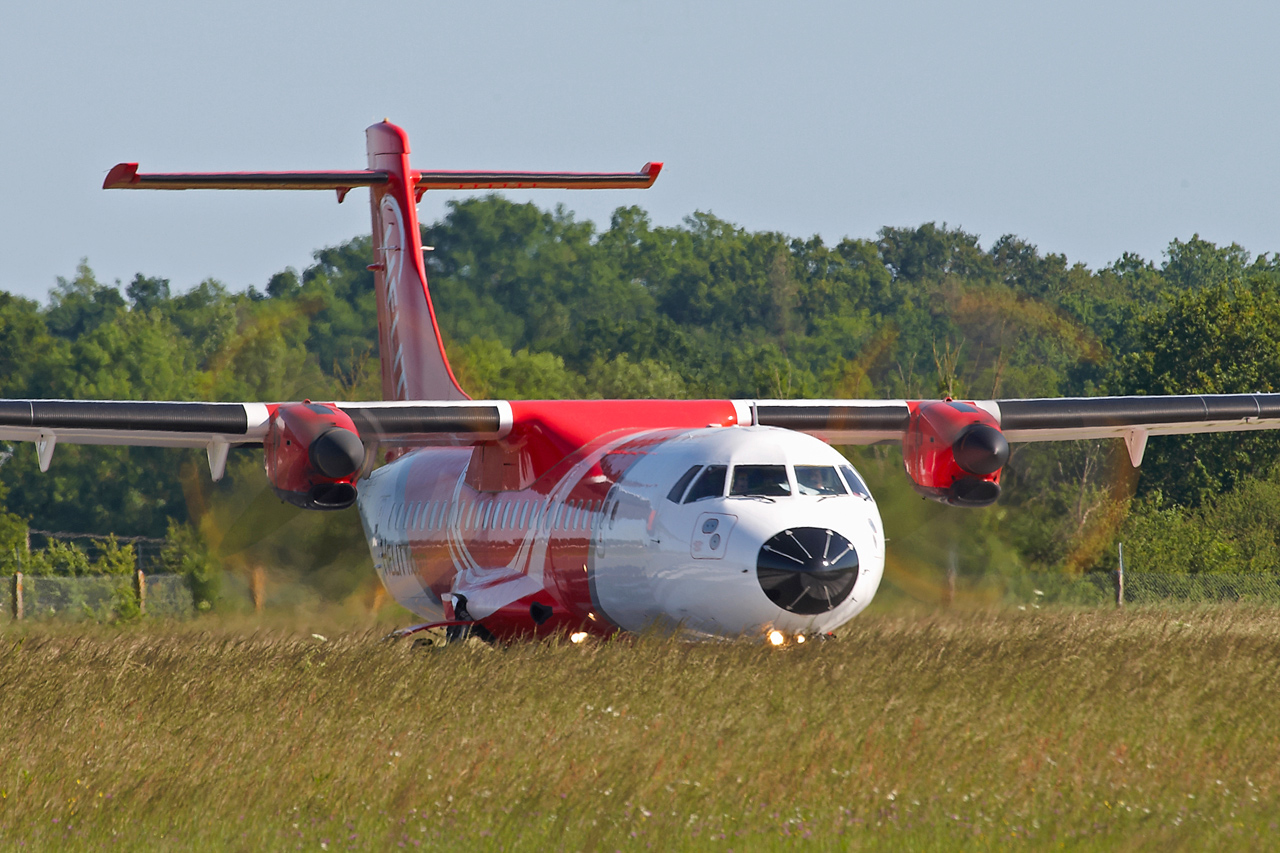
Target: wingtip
121, 175
652, 169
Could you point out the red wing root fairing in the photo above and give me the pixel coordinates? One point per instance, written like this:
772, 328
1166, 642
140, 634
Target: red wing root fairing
581, 517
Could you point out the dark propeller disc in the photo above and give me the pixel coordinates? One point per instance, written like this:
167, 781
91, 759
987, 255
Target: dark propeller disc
337, 453
981, 449
807, 570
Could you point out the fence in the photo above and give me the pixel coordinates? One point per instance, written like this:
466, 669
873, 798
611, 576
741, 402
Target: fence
94, 596
1099, 588
146, 549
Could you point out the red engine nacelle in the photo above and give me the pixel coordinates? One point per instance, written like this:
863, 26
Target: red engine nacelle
313, 455
954, 452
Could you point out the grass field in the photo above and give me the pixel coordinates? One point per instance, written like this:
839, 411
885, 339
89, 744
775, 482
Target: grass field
1083, 729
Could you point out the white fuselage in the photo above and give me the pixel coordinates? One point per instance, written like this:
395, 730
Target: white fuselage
605, 543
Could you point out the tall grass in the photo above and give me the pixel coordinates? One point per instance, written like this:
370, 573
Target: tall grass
1151, 728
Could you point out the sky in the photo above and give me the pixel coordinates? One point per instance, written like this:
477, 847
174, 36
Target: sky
1090, 129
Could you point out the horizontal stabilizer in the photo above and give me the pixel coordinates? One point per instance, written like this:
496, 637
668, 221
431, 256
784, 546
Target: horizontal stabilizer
640, 180
124, 176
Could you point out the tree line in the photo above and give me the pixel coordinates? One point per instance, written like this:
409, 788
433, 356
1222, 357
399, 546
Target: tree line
537, 304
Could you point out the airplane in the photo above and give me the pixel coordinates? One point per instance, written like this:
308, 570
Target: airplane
507, 519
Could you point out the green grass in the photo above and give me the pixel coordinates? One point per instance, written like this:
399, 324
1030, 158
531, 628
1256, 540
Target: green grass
1143, 729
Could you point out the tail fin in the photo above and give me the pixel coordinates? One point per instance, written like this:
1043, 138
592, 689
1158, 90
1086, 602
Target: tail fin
414, 364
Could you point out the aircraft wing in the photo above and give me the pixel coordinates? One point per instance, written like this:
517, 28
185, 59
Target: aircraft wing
217, 426
1043, 419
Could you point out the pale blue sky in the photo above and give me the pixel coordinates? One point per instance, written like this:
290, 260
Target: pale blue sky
1088, 128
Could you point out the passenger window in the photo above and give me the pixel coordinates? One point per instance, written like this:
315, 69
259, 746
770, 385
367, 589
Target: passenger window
677, 491
766, 481
855, 482
709, 485
818, 480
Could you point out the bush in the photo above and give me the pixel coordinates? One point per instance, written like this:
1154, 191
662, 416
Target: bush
115, 559
185, 553
57, 558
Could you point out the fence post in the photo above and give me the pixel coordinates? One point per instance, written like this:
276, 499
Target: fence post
1120, 579
17, 595
257, 587
141, 580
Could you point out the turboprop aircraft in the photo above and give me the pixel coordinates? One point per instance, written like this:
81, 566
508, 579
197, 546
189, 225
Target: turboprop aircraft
585, 517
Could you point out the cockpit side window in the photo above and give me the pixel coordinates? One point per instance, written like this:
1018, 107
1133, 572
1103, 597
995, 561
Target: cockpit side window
819, 480
709, 485
855, 482
767, 481
677, 491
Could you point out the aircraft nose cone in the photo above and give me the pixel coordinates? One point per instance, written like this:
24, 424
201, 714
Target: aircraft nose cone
337, 453
807, 570
981, 450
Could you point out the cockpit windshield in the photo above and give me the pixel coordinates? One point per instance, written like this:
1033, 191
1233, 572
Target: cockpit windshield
677, 491
819, 480
856, 485
709, 485
766, 481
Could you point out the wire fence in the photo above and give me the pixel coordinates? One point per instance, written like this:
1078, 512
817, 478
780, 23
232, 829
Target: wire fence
1100, 588
146, 549
95, 597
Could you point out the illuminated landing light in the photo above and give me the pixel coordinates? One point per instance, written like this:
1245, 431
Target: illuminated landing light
776, 638
799, 638
577, 636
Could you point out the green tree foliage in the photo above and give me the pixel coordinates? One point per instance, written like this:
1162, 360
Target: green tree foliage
1218, 339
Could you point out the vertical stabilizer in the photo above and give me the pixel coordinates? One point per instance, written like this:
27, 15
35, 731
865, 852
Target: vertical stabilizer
414, 364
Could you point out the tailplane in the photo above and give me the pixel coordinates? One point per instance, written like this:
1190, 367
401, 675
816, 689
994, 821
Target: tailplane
414, 363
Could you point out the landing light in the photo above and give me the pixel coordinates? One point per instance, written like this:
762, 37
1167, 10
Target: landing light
577, 636
776, 638
799, 638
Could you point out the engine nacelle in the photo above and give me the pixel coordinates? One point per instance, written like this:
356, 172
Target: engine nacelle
954, 452
313, 455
